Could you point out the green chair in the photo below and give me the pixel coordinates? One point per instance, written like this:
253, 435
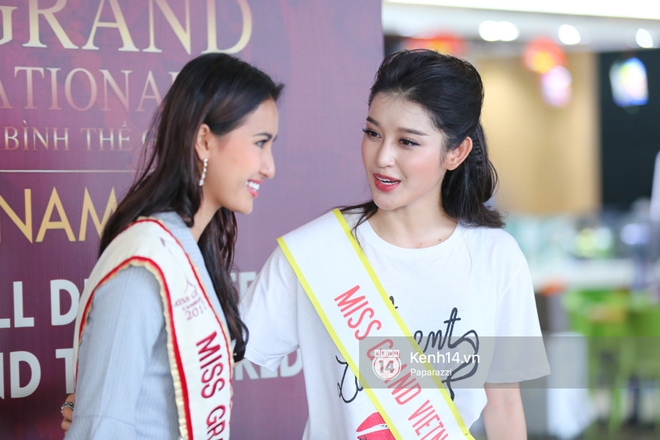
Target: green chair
602, 316
644, 321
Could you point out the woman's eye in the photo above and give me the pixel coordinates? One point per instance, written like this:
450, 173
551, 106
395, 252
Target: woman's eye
261, 143
370, 132
409, 143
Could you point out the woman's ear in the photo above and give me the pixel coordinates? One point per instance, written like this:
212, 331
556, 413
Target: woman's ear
456, 156
201, 142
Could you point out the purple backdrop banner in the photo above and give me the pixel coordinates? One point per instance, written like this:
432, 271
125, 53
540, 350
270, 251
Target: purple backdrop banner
79, 82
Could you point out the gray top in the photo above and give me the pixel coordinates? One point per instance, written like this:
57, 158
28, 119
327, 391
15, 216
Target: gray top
124, 388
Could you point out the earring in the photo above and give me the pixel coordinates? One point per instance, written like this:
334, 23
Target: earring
206, 164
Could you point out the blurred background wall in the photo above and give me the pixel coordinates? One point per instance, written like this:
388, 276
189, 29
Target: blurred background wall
547, 158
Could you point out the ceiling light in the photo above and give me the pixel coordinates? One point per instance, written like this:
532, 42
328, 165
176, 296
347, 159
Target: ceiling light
498, 31
569, 35
644, 39
643, 9
489, 31
508, 31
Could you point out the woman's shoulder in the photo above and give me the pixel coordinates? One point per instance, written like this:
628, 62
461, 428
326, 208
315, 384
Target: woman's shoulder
131, 288
321, 226
147, 232
132, 278
145, 243
487, 233
493, 241
142, 231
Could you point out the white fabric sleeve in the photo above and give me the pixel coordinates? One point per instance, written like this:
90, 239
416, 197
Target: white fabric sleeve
123, 326
269, 309
519, 352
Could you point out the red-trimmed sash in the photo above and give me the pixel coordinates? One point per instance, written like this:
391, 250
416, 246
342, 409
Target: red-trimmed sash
198, 344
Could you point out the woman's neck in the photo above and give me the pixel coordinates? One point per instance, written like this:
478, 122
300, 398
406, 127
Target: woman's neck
202, 218
408, 229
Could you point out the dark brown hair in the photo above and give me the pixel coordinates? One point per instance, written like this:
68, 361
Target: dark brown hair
214, 89
451, 91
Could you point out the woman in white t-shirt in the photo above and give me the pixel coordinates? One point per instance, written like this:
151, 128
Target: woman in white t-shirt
453, 275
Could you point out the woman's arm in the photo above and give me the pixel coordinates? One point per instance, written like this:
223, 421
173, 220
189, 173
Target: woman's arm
123, 327
503, 415
269, 309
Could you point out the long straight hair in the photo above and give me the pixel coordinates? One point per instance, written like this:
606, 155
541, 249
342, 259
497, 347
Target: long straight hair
451, 91
220, 91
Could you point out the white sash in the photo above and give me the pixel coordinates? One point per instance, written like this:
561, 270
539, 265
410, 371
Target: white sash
198, 344
335, 273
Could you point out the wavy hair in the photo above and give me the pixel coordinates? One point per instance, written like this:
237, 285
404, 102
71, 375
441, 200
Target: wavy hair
451, 91
214, 89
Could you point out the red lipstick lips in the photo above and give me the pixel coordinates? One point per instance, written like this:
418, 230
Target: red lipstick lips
385, 183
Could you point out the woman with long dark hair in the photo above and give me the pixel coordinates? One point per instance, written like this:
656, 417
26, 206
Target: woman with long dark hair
158, 327
421, 274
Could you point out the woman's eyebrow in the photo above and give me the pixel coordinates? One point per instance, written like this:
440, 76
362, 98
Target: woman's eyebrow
412, 131
373, 121
263, 133
403, 129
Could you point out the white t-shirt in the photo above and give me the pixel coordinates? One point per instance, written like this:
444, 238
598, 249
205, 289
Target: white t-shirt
476, 284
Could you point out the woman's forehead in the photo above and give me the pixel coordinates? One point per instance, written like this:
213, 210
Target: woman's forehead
390, 108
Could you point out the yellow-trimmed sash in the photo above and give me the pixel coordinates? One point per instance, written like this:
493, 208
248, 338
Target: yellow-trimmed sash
198, 343
333, 270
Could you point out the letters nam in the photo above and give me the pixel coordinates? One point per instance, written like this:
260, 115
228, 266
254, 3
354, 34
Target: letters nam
25, 225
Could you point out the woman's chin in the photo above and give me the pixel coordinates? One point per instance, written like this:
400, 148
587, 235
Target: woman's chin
385, 205
244, 208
